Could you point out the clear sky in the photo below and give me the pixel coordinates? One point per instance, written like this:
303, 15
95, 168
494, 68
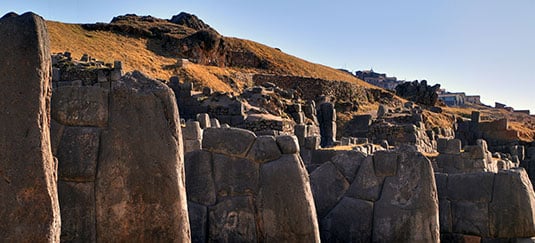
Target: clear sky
481, 47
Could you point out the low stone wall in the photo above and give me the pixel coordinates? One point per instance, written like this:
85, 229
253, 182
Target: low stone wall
315, 87
244, 188
120, 162
386, 197
486, 206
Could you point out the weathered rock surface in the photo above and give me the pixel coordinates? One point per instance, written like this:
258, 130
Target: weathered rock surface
255, 189
392, 197
140, 191
29, 208
80, 106
408, 208
493, 206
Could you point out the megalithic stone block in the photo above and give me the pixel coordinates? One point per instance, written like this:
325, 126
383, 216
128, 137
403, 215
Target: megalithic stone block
29, 208
140, 192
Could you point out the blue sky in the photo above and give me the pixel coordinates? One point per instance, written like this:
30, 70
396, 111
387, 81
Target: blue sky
479, 47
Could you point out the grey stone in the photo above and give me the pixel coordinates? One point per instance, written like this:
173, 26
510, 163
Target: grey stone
264, 149
381, 111
385, 163
350, 221
446, 221
327, 118
56, 133
512, 210
140, 178
56, 74
442, 185
408, 208
77, 203
366, 186
204, 120
470, 218
116, 74
328, 186
200, 178
449, 146
312, 142
288, 144
474, 187
192, 131
192, 145
198, 217
230, 141
29, 205
233, 220
348, 163
80, 106
214, 123
235, 176
285, 203
101, 76
78, 154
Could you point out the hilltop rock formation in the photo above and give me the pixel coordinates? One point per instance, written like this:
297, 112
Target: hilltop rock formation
29, 209
190, 20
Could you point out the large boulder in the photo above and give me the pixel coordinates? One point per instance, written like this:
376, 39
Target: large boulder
407, 210
140, 192
29, 208
243, 188
419, 92
512, 211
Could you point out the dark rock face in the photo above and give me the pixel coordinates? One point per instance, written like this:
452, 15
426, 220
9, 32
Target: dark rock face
189, 20
140, 191
29, 208
419, 92
243, 188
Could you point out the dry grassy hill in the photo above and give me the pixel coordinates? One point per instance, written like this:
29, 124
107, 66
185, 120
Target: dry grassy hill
145, 53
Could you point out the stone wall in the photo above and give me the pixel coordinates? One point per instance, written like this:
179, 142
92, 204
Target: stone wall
315, 88
486, 206
244, 188
496, 132
386, 197
120, 162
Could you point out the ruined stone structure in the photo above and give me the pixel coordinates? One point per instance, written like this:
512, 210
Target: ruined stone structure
29, 210
386, 197
244, 188
497, 133
120, 161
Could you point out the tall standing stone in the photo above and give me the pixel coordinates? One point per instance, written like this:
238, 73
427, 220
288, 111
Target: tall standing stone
140, 192
327, 121
29, 209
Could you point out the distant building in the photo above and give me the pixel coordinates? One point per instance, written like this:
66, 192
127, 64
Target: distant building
378, 79
474, 99
452, 99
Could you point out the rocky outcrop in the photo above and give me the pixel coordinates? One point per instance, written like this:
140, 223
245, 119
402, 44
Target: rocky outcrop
387, 197
120, 162
29, 210
419, 92
244, 188
190, 21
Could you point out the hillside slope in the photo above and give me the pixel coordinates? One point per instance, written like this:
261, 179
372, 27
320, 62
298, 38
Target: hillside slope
154, 45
